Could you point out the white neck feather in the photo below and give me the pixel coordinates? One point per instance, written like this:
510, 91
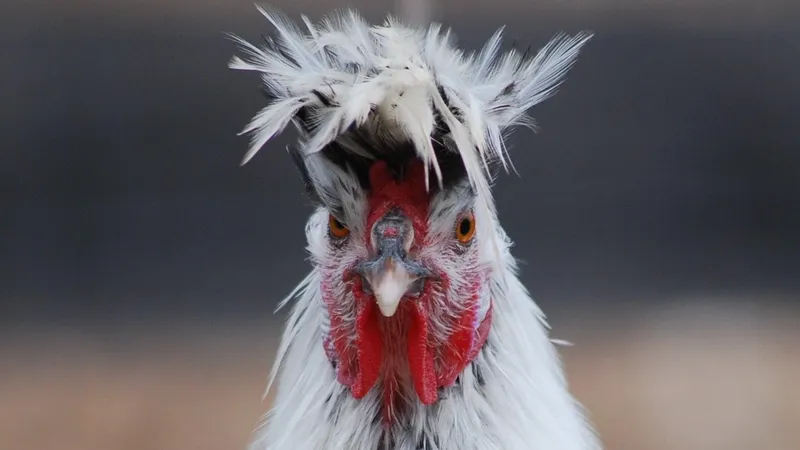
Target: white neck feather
513, 396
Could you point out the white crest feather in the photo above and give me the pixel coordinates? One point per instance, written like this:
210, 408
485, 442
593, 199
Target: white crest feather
389, 78
392, 82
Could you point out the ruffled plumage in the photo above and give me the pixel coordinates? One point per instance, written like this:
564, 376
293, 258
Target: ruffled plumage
371, 91
394, 82
389, 84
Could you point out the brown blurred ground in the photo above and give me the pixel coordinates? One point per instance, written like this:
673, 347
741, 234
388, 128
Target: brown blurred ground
693, 379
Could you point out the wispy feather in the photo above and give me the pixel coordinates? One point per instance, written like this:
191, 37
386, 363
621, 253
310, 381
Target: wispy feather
345, 73
396, 84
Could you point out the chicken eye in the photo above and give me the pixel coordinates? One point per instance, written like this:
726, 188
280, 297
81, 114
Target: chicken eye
465, 228
337, 229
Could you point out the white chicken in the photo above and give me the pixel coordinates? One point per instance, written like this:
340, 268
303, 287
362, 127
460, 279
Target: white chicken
412, 331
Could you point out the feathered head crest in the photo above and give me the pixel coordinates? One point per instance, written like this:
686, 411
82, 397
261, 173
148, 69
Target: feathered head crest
359, 93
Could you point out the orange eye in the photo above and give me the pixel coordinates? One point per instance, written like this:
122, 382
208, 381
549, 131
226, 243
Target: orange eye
336, 228
465, 228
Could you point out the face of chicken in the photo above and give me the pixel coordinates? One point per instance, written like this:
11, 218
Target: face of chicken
406, 293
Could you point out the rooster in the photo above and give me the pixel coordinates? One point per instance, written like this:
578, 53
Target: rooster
413, 330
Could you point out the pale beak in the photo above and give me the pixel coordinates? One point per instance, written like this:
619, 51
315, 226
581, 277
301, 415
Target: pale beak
390, 275
390, 285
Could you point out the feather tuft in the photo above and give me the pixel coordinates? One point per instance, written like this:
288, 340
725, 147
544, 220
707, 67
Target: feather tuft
345, 82
393, 82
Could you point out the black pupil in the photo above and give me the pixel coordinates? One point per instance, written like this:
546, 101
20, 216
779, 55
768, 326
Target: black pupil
337, 224
465, 226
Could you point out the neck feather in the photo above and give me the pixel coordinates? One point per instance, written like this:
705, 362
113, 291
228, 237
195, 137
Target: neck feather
513, 396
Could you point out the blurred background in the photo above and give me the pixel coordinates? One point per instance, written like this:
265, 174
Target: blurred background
656, 214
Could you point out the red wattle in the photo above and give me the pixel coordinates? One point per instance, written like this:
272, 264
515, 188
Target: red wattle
456, 353
337, 348
370, 348
420, 356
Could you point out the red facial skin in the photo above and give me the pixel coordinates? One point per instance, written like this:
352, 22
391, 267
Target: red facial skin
391, 348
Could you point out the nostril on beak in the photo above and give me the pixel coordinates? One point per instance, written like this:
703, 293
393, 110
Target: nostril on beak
416, 287
365, 285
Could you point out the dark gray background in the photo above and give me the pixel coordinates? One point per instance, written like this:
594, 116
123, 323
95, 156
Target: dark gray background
667, 166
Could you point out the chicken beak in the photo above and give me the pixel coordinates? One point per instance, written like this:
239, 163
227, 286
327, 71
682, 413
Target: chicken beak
390, 274
390, 286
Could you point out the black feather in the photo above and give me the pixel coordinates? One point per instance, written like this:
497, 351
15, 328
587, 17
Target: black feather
299, 163
322, 98
478, 373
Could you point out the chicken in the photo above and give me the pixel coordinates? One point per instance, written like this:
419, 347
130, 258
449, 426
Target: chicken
412, 330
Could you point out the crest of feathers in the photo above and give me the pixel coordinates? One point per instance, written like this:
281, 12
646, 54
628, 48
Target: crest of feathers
370, 90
